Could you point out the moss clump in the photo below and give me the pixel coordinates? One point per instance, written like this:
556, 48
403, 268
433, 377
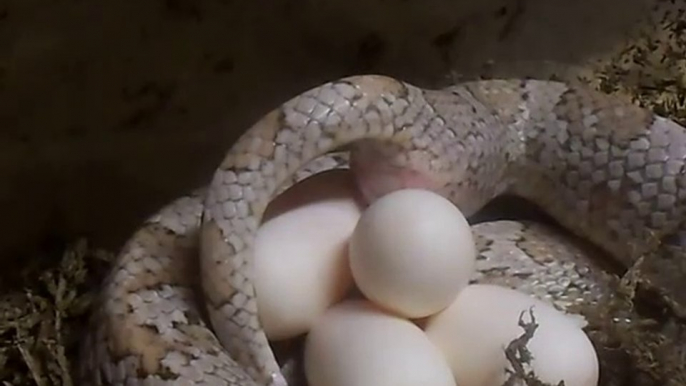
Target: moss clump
650, 68
42, 312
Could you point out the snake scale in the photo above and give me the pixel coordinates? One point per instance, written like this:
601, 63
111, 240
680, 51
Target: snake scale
179, 307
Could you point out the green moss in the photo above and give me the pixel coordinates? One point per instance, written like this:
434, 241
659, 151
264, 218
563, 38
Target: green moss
651, 68
42, 314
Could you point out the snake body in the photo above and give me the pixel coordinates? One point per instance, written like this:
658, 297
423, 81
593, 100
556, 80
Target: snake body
608, 171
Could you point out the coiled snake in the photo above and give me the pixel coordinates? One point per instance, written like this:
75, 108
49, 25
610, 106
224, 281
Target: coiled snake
608, 171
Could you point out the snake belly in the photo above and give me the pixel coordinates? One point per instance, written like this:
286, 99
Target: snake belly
608, 171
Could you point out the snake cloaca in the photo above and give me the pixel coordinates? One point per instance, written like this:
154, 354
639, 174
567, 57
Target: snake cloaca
179, 306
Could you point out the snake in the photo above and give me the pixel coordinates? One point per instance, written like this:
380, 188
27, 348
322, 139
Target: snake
179, 306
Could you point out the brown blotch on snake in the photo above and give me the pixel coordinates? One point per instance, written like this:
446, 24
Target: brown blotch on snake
569, 150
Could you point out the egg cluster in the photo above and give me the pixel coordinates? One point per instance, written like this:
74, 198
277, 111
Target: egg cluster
383, 294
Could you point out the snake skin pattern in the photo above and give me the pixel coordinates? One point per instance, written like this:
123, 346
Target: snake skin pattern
608, 171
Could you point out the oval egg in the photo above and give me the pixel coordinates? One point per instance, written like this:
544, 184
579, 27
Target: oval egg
357, 343
412, 252
301, 253
475, 329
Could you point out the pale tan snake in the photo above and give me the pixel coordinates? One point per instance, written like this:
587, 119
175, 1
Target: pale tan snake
609, 171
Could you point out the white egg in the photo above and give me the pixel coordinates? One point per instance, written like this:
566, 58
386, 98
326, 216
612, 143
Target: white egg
474, 331
301, 253
412, 252
357, 343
